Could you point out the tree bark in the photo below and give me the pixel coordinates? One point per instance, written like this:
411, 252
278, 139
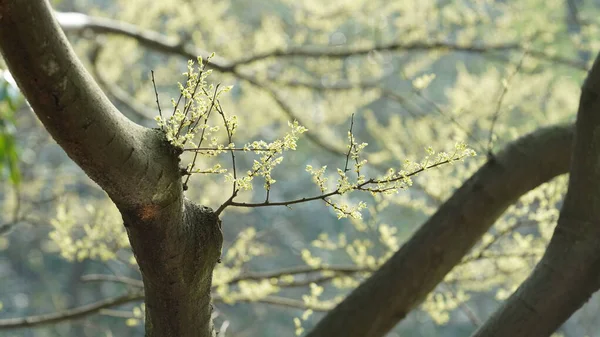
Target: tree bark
569, 272
176, 243
404, 281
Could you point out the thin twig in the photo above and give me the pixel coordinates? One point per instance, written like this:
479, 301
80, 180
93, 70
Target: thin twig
230, 139
156, 94
280, 301
172, 45
360, 187
451, 118
318, 51
114, 90
255, 276
112, 278
465, 308
250, 149
505, 85
207, 115
351, 136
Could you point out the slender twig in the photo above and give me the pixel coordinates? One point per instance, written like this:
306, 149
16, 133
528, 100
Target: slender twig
112, 278
280, 301
303, 283
156, 94
465, 308
114, 90
287, 109
360, 187
249, 149
318, 51
117, 313
299, 270
351, 136
449, 116
496, 256
505, 85
206, 116
255, 276
483, 250
187, 106
230, 139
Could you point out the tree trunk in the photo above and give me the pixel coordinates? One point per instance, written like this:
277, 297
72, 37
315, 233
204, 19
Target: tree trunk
569, 272
176, 243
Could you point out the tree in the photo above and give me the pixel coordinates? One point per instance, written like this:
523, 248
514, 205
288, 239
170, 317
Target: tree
177, 243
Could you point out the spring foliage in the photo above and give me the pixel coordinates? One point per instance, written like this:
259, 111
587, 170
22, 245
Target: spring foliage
403, 101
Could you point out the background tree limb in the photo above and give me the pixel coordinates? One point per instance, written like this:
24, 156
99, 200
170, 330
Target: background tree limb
404, 281
568, 273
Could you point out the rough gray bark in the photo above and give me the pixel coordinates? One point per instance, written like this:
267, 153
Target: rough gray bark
404, 281
176, 243
569, 272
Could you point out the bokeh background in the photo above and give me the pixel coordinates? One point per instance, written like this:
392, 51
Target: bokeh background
415, 74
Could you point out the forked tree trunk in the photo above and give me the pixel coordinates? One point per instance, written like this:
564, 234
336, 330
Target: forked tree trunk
176, 243
569, 272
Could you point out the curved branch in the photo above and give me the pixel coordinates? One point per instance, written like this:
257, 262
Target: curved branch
410, 274
77, 22
162, 43
567, 275
76, 112
142, 112
157, 41
70, 314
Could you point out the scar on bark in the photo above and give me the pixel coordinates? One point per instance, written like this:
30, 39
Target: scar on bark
147, 212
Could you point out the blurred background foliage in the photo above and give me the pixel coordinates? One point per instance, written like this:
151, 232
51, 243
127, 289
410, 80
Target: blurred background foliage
415, 74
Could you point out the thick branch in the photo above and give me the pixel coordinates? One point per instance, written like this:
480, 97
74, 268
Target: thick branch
176, 243
70, 314
118, 154
568, 273
405, 279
